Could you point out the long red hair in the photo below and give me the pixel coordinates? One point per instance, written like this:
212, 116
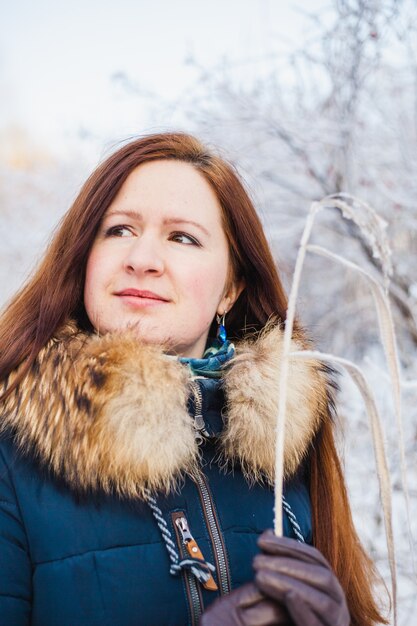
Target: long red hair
55, 293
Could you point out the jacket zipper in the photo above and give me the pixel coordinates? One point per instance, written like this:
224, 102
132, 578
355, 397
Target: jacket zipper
199, 424
216, 538
223, 574
183, 534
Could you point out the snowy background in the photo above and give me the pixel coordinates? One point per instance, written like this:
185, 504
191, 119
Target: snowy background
306, 102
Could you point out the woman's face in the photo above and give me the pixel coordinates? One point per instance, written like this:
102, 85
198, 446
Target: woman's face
160, 261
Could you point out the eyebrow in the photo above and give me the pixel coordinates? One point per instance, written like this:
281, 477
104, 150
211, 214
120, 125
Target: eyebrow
168, 222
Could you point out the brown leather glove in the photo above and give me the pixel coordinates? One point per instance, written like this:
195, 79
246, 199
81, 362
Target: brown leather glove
299, 577
245, 606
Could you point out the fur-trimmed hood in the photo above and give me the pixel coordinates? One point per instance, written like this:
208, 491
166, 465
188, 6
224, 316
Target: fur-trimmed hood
109, 413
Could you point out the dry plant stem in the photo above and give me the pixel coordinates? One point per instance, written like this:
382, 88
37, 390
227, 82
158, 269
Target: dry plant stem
379, 450
283, 380
387, 335
372, 228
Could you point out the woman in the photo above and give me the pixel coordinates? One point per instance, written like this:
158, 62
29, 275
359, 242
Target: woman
139, 370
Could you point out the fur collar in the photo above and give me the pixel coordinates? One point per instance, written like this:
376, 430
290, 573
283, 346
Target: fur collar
108, 413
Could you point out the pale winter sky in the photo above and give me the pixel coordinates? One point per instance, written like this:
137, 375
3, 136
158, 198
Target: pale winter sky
58, 60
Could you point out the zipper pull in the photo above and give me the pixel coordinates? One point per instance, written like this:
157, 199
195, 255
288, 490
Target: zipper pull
199, 423
193, 548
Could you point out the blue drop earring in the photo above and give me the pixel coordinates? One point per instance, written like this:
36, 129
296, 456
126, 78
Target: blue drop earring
221, 331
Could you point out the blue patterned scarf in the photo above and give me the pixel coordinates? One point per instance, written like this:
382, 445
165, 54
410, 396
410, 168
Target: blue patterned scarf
213, 360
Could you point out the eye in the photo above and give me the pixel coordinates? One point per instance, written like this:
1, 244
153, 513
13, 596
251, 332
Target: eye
118, 231
184, 238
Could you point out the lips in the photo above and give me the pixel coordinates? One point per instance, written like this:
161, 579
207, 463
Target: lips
139, 293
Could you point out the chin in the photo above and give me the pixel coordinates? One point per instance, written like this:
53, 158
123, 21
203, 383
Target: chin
150, 336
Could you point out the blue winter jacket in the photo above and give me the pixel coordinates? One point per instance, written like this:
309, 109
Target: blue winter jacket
131, 495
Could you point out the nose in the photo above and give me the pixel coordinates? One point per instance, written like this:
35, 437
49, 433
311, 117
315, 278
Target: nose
144, 256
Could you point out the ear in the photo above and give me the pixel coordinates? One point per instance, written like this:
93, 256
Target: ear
234, 290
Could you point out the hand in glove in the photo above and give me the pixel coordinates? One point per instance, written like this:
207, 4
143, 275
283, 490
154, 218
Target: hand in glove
245, 606
298, 577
